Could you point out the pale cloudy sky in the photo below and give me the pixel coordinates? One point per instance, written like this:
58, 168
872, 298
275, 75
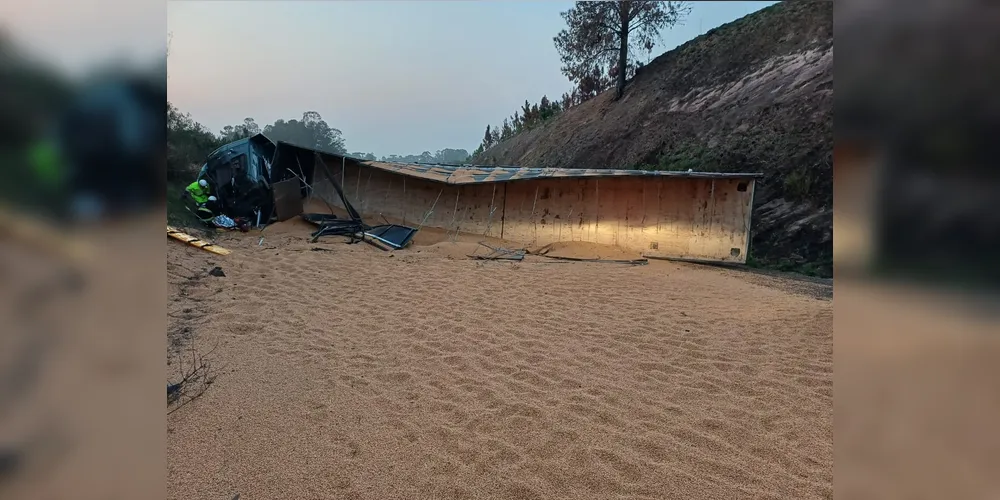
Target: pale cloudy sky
396, 77
77, 35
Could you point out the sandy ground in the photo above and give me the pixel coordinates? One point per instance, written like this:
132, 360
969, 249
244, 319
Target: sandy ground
357, 373
80, 350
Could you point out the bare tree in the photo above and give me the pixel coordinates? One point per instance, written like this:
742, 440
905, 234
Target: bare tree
607, 35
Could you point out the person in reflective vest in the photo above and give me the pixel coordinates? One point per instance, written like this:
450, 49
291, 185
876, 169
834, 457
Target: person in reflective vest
198, 191
203, 204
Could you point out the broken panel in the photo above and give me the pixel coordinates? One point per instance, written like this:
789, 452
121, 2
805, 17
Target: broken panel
392, 235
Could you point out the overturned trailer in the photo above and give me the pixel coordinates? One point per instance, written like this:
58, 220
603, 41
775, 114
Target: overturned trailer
694, 216
263, 180
297, 170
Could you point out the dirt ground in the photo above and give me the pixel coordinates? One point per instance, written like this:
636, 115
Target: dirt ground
349, 372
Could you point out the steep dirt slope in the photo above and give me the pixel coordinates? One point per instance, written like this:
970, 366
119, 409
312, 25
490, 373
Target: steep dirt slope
754, 95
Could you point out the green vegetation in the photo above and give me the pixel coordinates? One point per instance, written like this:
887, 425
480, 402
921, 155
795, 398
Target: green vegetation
816, 269
189, 142
454, 156
528, 117
798, 184
177, 213
685, 157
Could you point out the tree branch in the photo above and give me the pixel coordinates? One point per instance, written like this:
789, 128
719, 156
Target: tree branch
194, 381
634, 11
611, 15
635, 27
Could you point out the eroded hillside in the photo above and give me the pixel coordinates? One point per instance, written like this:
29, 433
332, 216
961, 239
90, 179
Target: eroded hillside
754, 95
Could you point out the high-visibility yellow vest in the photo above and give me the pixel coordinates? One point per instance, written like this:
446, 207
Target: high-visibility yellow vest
198, 193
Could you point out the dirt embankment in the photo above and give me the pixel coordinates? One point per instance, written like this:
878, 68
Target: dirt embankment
754, 95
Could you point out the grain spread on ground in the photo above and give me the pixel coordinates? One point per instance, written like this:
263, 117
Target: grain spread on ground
420, 373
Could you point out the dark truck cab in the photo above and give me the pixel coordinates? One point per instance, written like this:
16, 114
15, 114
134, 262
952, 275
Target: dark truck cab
240, 175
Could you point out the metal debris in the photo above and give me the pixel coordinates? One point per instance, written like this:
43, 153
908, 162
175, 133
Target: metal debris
500, 253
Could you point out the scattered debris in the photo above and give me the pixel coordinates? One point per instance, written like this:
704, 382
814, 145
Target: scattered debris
385, 237
331, 225
393, 235
634, 262
195, 242
544, 252
217, 271
351, 228
377, 244
707, 262
223, 221
318, 219
500, 253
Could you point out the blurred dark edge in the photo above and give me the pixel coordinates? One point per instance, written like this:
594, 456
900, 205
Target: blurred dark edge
68, 142
103, 330
916, 93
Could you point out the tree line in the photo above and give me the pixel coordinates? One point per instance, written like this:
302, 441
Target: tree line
451, 156
189, 142
599, 49
529, 116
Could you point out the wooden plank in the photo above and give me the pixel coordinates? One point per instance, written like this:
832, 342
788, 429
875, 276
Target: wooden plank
196, 242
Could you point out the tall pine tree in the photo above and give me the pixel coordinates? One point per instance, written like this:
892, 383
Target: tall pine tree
609, 36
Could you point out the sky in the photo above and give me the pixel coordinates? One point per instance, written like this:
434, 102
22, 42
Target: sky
75, 36
398, 77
